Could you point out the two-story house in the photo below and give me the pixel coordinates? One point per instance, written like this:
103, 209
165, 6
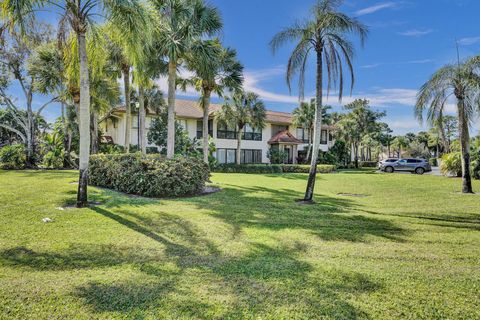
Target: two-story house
279, 133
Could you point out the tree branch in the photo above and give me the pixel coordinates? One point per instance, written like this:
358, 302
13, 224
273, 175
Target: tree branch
15, 131
45, 105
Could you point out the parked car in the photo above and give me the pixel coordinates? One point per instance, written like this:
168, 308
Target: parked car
418, 166
388, 160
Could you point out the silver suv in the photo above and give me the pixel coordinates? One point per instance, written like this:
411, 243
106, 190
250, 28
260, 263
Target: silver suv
418, 166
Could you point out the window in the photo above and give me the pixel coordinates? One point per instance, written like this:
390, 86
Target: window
225, 131
324, 137
226, 155
134, 120
302, 134
250, 133
276, 129
200, 128
182, 123
250, 156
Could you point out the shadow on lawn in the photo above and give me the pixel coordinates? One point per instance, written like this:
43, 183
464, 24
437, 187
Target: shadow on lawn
188, 276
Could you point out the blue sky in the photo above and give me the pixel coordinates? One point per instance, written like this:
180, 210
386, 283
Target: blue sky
408, 41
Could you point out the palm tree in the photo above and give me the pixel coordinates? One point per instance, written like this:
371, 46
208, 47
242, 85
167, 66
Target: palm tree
216, 69
182, 24
241, 109
325, 34
400, 143
304, 116
462, 82
128, 16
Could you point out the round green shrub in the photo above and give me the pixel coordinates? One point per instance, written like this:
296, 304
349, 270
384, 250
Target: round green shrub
13, 157
149, 175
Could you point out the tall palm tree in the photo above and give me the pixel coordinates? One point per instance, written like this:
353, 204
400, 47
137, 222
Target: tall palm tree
461, 81
182, 24
216, 69
400, 143
128, 16
326, 35
241, 109
304, 116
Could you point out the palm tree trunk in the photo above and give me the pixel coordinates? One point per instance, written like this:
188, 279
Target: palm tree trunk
309, 150
84, 122
65, 136
94, 133
355, 150
30, 132
316, 130
142, 132
465, 147
239, 145
172, 75
128, 108
206, 106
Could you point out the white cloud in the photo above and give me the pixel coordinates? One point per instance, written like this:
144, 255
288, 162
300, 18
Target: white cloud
416, 33
420, 61
375, 8
468, 41
369, 66
253, 78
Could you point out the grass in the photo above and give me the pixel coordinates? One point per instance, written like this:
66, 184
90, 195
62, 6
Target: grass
392, 246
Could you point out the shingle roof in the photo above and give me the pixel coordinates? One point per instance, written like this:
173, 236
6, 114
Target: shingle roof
284, 137
191, 109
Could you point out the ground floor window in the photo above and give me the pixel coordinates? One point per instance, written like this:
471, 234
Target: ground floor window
251, 156
226, 155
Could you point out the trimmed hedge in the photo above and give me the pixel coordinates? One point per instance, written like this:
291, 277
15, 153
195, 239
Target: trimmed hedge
271, 168
368, 164
150, 175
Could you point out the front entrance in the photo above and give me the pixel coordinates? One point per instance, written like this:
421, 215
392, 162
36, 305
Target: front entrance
289, 151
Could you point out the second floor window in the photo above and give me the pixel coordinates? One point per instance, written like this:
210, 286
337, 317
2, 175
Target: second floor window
302, 134
250, 133
226, 131
200, 128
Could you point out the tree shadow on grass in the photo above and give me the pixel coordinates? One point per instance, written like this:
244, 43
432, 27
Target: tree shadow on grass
75, 257
331, 218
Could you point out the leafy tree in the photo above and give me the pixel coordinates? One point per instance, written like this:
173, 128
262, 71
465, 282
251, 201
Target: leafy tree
183, 23
158, 135
304, 116
461, 81
400, 143
359, 122
128, 16
14, 57
325, 33
241, 109
216, 69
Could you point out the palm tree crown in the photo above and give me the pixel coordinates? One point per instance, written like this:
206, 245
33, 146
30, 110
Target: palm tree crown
462, 82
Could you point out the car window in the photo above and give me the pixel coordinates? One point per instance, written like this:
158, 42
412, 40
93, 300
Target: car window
402, 161
391, 160
411, 161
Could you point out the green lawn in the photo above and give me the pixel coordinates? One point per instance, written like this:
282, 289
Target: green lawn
409, 249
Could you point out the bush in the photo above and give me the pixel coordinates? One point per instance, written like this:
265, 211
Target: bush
271, 168
433, 162
13, 157
451, 164
276, 156
150, 175
368, 164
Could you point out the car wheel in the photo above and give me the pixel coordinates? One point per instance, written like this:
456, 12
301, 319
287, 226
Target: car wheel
419, 171
389, 170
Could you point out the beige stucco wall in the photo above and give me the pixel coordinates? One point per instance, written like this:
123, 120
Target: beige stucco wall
118, 135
